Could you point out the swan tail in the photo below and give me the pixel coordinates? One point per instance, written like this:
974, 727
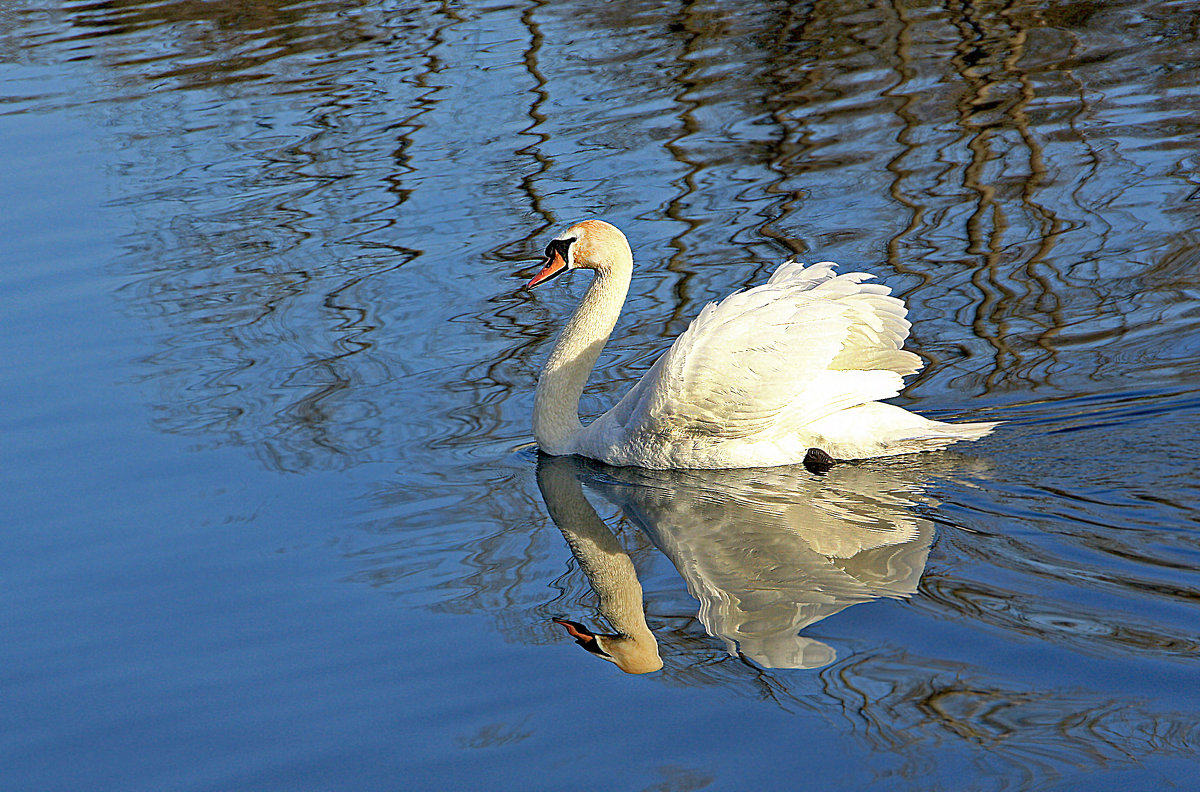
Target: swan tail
939, 435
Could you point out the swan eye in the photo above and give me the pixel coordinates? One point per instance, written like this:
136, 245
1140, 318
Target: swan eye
562, 247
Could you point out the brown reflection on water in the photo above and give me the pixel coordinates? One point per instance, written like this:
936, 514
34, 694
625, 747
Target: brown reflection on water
219, 42
914, 708
987, 74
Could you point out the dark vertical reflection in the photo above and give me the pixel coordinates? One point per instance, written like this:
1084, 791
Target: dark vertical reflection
909, 124
986, 225
529, 182
690, 27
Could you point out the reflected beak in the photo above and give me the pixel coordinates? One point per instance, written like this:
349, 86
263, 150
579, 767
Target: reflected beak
582, 635
576, 630
552, 267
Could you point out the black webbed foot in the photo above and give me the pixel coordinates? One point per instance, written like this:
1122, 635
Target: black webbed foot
817, 461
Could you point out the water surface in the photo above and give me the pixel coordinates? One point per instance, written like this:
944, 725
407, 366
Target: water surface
273, 520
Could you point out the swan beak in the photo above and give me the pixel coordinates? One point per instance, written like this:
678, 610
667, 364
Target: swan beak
552, 267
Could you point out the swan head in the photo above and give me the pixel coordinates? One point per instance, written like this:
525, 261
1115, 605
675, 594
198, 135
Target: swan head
590, 244
632, 654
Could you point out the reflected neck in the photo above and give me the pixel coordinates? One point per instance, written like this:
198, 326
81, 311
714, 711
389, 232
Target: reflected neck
608, 568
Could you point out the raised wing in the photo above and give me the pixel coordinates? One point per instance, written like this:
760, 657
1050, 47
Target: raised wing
804, 345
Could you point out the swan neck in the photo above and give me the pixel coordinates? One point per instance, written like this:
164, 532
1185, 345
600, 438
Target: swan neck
556, 403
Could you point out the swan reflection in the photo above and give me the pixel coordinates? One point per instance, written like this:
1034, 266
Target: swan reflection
765, 551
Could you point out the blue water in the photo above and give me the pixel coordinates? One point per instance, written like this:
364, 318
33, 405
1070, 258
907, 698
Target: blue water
272, 515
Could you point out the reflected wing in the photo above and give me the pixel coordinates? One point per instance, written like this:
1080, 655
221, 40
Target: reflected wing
804, 345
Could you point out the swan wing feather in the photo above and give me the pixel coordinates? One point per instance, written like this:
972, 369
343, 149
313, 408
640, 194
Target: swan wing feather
804, 345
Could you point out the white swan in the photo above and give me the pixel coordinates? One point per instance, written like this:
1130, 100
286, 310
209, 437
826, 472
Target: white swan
757, 380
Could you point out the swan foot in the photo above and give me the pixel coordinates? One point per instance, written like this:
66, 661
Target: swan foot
817, 461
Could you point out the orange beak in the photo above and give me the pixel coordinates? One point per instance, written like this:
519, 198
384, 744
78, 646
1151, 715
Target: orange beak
553, 267
576, 630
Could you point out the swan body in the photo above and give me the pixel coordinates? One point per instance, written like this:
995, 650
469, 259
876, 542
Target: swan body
756, 380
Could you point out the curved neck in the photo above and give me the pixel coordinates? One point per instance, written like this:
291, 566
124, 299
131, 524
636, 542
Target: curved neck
556, 404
